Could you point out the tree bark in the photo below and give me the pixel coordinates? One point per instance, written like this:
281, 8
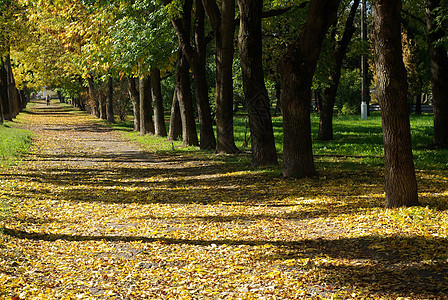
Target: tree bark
418, 104
255, 92
110, 100
196, 57
4, 92
146, 122
135, 99
198, 66
159, 117
185, 98
103, 105
223, 28
391, 91
338, 55
13, 95
439, 79
297, 69
93, 101
175, 131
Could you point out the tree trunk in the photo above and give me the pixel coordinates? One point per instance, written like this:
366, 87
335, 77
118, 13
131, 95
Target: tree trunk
4, 92
185, 98
103, 107
13, 95
175, 131
297, 70
197, 59
135, 99
223, 28
391, 91
159, 117
418, 104
439, 79
93, 101
146, 123
257, 100
110, 100
198, 66
338, 55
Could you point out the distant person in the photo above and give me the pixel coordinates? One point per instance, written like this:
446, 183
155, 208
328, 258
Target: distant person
48, 99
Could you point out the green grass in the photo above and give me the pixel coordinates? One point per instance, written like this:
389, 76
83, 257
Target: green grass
13, 143
359, 142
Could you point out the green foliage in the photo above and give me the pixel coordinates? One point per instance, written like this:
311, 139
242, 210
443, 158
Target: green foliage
348, 98
441, 20
143, 36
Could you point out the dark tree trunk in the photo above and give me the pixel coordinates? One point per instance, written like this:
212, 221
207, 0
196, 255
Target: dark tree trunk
110, 100
439, 80
278, 92
297, 70
223, 28
103, 106
175, 131
198, 66
13, 95
159, 116
185, 98
23, 100
93, 101
338, 55
6, 115
135, 99
146, 122
418, 104
257, 100
197, 60
391, 91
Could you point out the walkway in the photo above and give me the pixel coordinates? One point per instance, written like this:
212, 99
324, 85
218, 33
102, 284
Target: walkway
94, 217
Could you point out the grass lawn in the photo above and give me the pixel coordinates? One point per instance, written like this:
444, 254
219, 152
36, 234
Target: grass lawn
359, 142
13, 143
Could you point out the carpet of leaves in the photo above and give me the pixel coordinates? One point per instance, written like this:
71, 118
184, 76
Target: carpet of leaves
92, 216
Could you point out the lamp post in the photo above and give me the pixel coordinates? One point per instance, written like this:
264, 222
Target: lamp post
364, 86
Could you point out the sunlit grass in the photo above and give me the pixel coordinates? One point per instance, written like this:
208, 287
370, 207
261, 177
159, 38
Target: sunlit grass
13, 143
359, 141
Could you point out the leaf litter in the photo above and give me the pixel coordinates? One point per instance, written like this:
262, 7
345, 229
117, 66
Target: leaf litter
92, 216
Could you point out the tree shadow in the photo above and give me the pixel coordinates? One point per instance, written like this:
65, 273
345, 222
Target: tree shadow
393, 266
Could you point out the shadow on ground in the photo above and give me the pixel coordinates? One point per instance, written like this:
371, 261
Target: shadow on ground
399, 266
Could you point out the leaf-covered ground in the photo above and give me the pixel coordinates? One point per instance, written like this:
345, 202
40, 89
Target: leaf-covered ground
92, 216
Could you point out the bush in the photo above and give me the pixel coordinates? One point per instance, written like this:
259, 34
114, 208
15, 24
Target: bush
348, 98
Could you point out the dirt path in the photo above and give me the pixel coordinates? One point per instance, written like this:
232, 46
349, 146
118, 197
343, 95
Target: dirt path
94, 217
69, 138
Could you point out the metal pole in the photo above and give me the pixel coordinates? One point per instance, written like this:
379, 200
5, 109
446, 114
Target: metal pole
364, 86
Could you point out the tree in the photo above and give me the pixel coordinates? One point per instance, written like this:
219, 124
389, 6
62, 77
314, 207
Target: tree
251, 52
222, 22
159, 118
439, 70
196, 57
110, 105
329, 97
4, 92
392, 87
175, 131
135, 99
145, 100
185, 99
297, 70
